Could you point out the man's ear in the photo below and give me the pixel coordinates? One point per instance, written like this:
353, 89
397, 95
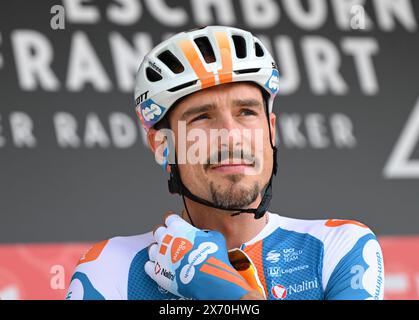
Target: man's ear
158, 143
151, 139
272, 123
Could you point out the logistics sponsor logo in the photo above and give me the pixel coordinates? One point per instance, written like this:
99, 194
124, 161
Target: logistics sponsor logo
279, 272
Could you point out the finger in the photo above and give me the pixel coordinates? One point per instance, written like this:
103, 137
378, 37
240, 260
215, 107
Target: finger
157, 226
170, 219
149, 268
159, 233
152, 251
167, 214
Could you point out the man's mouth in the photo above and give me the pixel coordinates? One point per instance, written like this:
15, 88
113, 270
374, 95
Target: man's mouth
232, 167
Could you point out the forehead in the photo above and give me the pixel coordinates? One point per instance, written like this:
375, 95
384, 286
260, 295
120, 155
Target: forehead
220, 94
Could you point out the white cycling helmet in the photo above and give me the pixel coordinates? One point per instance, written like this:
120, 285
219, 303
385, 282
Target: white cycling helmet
194, 60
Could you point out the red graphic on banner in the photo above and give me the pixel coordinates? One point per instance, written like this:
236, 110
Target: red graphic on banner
30, 271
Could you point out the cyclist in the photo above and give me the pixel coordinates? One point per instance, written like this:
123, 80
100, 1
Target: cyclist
225, 244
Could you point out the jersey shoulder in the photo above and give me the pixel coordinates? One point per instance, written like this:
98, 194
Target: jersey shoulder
104, 270
324, 229
349, 248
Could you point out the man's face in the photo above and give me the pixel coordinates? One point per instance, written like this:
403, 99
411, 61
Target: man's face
231, 143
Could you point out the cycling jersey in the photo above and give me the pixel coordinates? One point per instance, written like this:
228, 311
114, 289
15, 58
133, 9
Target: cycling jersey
295, 259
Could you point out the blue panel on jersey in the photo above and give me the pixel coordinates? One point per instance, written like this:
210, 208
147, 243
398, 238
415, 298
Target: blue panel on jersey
140, 285
348, 279
293, 265
89, 292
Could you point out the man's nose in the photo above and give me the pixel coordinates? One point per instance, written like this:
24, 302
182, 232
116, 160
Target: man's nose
227, 121
228, 125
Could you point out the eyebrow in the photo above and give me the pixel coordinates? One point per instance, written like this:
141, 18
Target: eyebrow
210, 106
247, 102
197, 109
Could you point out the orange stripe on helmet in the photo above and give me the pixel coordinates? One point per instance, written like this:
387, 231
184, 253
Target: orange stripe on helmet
207, 78
225, 74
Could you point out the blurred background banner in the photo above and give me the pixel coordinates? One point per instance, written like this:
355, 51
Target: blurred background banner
74, 166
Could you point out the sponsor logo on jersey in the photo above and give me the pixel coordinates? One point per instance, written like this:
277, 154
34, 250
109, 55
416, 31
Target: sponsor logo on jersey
273, 256
279, 292
279, 272
377, 293
303, 286
291, 254
288, 255
369, 276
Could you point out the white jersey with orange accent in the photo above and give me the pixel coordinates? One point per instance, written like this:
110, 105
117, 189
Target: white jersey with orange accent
295, 259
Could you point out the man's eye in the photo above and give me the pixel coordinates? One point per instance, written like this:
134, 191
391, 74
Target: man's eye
200, 117
247, 112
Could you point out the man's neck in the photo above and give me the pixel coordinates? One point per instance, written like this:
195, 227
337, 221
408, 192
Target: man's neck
236, 229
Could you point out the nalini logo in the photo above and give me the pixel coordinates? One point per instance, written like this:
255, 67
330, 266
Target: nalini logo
157, 268
273, 256
303, 286
279, 292
167, 274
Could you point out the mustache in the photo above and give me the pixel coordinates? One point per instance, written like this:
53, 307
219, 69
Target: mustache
232, 156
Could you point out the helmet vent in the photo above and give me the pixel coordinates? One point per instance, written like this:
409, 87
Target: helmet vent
152, 75
205, 47
184, 85
240, 46
252, 70
258, 50
170, 60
